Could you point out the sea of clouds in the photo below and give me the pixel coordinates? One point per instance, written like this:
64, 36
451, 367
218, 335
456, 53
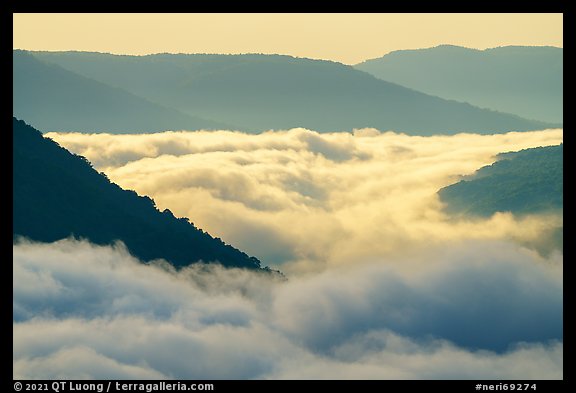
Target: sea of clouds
381, 282
302, 201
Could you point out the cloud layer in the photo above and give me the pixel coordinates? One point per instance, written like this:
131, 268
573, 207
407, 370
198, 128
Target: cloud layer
485, 309
382, 284
303, 200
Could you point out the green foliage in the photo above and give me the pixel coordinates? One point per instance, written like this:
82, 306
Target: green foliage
528, 181
57, 194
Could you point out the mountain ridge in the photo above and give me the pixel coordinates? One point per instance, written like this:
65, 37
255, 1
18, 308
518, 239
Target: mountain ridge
523, 80
57, 194
55, 99
259, 92
522, 182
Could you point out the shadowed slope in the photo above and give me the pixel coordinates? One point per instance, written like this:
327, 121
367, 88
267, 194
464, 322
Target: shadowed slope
57, 194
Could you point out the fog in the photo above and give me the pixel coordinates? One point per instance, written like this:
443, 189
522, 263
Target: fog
382, 284
301, 201
486, 309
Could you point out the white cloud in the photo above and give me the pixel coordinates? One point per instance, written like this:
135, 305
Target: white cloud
382, 284
86, 311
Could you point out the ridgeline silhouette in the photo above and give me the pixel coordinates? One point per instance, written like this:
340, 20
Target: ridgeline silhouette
529, 181
524, 80
57, 194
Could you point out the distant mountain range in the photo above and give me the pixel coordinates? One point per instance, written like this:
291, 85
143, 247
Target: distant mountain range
57, 194
523, 80
251, 92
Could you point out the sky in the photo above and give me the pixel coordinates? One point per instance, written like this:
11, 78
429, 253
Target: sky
342, 37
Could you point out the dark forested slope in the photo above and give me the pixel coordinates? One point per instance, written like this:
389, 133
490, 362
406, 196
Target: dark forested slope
57, 194
527, 181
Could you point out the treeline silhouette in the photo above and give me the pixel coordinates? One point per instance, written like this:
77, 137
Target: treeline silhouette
58, 194
255, 93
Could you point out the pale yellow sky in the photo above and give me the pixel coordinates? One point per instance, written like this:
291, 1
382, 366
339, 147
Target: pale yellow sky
347, 38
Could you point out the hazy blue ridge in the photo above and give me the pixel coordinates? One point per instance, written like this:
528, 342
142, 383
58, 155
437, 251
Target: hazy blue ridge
57, 194
528, 181
52, 98
261, 92
523, 80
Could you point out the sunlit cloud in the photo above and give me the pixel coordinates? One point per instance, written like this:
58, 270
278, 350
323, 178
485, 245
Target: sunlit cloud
304, 200
481, 310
